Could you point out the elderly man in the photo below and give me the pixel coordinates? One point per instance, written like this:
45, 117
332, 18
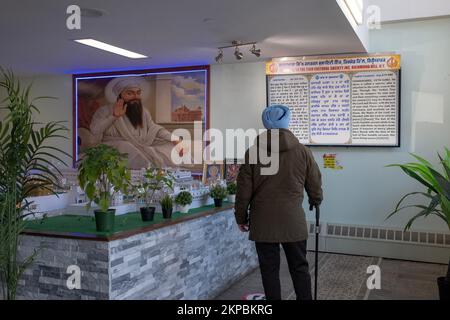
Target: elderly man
127, 126
276, 216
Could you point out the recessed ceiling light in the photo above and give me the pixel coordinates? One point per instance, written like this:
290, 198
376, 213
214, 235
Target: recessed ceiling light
110, 48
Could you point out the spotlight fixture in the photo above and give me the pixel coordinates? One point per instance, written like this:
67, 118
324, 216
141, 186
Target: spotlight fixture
219, 57
237, 53
256, 52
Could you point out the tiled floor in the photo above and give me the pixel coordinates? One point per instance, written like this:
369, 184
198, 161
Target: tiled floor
343, 277
406, 280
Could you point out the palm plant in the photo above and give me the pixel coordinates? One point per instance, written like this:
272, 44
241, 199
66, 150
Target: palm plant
26, 164
438, 190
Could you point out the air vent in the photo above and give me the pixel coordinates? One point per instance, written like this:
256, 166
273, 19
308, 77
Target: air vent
384, 234
312, 227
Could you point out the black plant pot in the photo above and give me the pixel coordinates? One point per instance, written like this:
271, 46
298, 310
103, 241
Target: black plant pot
167, 213
147, 213
217, 203
104, 221
444, 288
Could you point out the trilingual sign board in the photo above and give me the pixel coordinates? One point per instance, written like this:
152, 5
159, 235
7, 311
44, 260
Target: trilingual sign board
339, 101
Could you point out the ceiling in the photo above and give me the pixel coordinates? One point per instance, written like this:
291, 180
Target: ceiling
35, 39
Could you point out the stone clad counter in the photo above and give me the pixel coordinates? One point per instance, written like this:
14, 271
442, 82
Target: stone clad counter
195, 256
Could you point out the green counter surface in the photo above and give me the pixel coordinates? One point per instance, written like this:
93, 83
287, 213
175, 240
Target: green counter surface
83, 227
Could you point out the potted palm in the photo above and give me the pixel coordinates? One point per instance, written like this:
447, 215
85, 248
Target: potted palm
438, 194
184, 200
167, 206
218, 193
27, 164
155, 179
231, 189
102, 172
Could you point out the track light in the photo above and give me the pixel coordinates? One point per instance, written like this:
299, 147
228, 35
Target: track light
219, 57
256, 52
239, 55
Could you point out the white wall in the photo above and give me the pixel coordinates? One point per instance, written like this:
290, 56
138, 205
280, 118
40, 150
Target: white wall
365, 191
58, 109
398, 10
360, 30
238, 94
424, 46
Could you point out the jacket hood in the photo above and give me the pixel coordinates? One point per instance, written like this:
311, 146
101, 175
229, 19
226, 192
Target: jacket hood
287, 140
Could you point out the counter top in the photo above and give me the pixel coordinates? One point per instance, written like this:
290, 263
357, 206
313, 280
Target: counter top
83, 227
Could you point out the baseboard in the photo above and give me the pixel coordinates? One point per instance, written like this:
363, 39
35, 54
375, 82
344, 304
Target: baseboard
383, 242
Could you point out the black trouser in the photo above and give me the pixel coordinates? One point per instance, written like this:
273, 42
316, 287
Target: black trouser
269, 263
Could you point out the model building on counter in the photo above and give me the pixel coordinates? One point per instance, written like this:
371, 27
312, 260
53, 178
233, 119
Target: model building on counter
71, 199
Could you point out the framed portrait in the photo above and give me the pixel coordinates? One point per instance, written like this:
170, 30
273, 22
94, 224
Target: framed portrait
231, 170
212, 172
137, 111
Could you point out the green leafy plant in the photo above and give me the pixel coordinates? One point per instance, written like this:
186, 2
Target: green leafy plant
218, 192
166, 202
437, 190
184, 198
437, 185
231, 187
155, 179
27, 164
102, 172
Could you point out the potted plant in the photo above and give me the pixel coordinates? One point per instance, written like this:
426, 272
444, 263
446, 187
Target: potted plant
27, 163
231, 189
184, 200
438, 195
167, 206
102, 172
218, 193
155, 179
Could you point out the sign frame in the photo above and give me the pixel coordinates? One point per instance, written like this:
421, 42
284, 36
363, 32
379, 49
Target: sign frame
399, 108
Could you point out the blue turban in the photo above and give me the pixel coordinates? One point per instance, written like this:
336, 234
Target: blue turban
276, 117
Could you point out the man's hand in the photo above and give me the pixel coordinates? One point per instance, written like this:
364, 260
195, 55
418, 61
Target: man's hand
119, 108
179, 147
243, 227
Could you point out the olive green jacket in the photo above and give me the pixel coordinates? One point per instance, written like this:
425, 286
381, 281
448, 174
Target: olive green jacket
271, 204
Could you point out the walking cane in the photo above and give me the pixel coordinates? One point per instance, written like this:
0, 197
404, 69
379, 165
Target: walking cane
316, 264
